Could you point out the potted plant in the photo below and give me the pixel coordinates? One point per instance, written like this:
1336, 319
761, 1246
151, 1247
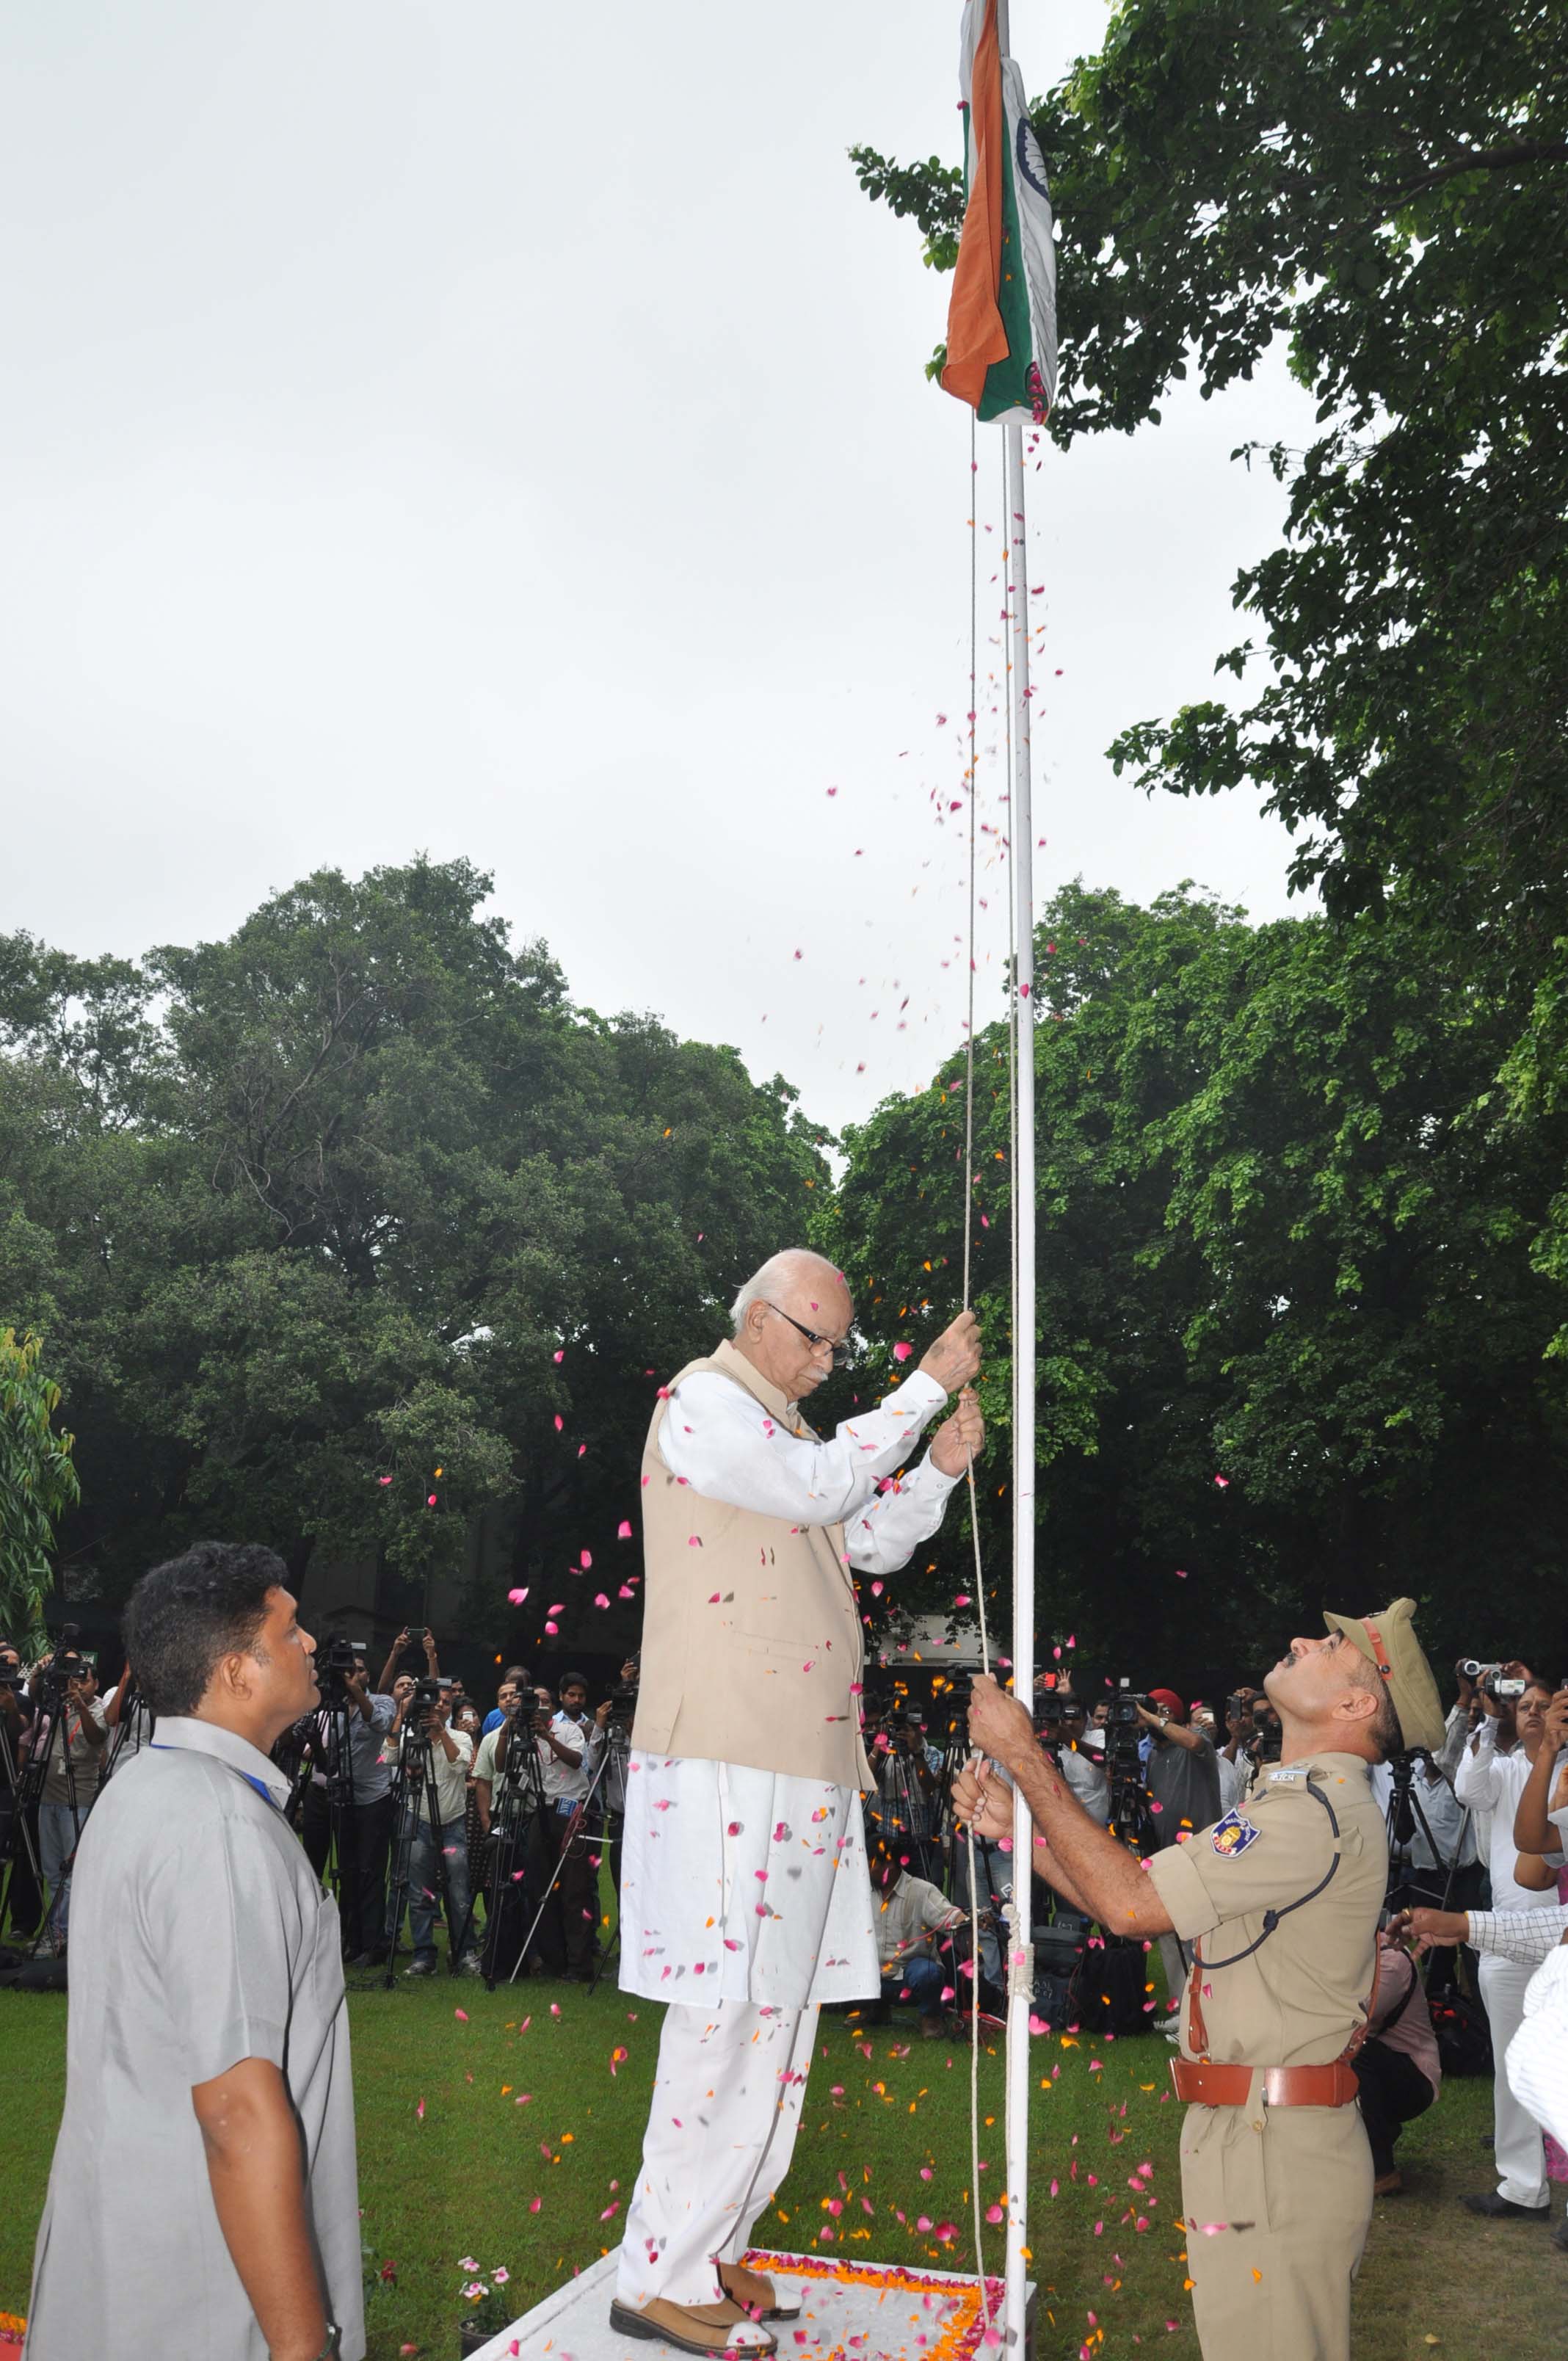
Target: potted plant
488, 2308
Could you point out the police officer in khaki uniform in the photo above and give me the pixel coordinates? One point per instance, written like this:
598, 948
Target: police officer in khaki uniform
1281, 1898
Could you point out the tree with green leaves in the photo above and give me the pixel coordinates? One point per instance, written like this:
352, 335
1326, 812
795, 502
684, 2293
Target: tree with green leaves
38, 1484
353, 1234
1385, 191
1290, 1335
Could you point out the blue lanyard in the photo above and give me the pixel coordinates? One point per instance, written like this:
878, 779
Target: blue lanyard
260, 1785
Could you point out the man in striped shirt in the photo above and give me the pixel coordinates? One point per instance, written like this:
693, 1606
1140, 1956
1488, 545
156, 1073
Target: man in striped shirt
1537, 2059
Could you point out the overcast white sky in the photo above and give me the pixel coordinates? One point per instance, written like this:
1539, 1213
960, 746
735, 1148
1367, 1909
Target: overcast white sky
490, 429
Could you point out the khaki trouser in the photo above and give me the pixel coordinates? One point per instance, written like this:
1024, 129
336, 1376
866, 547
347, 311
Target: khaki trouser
1277, 2202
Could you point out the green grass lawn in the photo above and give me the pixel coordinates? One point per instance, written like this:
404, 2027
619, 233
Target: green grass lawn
533, 2101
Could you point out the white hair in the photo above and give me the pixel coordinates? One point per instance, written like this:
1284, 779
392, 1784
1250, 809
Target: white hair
776, 1272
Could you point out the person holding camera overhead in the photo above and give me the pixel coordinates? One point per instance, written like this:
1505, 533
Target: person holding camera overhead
1280, 1899
746, 1900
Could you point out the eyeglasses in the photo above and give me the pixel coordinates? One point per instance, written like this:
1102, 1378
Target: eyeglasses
841, 1350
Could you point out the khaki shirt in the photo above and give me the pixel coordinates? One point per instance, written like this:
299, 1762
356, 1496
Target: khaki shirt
1317, 1875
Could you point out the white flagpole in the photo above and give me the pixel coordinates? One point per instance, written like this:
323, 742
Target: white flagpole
1020, 832
1021, 842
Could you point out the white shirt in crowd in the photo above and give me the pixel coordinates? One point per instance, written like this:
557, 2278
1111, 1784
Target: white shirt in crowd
726, 1444
1493, 1783
1089, 1783
451, 1778
561, 1781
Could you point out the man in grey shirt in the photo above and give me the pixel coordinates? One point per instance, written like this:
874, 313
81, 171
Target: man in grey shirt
204, 2195
1182, 1775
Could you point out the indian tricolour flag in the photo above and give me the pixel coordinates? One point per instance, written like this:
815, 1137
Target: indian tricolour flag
1002, 322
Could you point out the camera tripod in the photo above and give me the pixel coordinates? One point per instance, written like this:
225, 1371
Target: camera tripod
617, 1754
326, 1749
418, 1800
904, 1806
133, 1708
519, 1807
19, 1841
569, 1836
27, 1787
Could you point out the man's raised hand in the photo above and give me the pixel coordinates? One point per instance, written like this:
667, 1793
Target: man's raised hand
998, 1724
982, 1805
954, 1359
961, 1438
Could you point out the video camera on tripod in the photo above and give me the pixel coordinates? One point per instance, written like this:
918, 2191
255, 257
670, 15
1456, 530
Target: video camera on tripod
623, 1699
67, 1664
1124, 1729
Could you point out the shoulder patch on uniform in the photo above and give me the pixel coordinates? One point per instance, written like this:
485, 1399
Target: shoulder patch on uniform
1233, 1835
1290, 1771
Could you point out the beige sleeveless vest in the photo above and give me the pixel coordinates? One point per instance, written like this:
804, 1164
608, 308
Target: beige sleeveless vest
751, 1626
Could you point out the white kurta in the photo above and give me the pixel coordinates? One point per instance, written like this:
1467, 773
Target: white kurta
745, 1884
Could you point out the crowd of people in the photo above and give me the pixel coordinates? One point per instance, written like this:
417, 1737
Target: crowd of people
742, 1763
498, 1819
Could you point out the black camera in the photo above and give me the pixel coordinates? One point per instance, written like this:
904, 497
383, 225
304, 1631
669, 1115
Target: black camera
334, 1663
1271, 1740
420, 1702
67, 1662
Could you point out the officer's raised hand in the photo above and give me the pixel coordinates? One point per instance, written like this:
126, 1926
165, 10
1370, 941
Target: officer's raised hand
982, 1803
998, 1724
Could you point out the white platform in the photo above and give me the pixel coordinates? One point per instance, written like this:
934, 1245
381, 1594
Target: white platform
858, 2310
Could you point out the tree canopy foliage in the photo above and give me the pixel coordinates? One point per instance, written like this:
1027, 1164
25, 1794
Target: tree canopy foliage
357, 1208
1292, 1345
1385, 188
38, 1484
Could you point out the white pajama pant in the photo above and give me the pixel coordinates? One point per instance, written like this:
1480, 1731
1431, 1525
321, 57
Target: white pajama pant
1519, 2155
726, 2099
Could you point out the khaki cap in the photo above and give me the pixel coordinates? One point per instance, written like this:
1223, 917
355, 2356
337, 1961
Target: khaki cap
1389, 1641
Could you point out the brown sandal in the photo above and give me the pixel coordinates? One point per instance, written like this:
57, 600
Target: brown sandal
756, 2293
703, 2328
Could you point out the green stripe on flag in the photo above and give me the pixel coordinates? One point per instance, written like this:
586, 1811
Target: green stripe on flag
1007, 382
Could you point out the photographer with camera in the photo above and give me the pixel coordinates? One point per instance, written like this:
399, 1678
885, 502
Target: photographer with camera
1061, 1720
518, 1680
909, 1799
1493, 1776
23, 1902
1181, 1772
365, 1815
434, 1770
577, 1742
71, 1730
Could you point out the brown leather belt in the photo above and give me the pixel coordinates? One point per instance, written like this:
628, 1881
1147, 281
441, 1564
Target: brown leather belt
1208, 2085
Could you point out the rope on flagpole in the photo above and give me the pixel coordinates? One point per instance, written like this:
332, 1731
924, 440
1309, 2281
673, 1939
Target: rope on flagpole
968, 1265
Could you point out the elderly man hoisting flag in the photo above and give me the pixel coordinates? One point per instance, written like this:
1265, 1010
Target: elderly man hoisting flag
744, 1891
